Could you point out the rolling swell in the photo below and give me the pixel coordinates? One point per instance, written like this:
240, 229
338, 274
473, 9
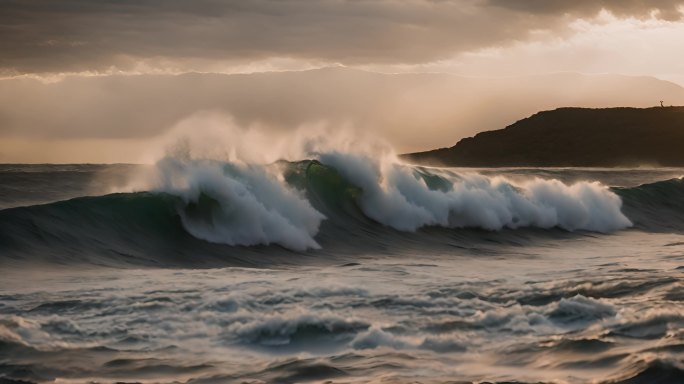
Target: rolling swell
125, 227
210, 213
656, 206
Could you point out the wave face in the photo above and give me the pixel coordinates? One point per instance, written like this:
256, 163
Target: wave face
340, 202
657, 206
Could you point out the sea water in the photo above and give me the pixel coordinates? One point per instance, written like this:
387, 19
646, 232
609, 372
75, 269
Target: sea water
341, 269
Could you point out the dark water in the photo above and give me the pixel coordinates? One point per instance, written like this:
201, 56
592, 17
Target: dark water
340, 270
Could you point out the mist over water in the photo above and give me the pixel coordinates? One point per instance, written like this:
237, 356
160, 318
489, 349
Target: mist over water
348, 266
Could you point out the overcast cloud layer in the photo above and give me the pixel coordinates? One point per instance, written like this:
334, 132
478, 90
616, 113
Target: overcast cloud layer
516, 57
44, 36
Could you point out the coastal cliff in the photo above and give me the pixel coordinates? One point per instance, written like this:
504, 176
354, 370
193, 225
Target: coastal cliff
580, 137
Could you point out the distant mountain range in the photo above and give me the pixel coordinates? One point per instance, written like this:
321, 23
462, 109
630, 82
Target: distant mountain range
573, 137
411, 111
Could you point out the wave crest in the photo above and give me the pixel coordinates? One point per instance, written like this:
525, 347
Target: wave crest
407, 198
239, 204
341, 202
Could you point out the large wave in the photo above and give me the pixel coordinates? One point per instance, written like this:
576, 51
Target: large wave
408, 198
344, 203
243, 204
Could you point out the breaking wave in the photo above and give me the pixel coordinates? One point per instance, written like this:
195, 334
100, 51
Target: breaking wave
239, 205
339, 202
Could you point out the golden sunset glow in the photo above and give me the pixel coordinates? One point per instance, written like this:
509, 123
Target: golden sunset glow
78, 71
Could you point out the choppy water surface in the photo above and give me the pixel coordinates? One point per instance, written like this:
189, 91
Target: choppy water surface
92, 292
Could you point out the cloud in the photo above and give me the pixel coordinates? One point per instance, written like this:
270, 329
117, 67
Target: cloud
665, 9
43, 36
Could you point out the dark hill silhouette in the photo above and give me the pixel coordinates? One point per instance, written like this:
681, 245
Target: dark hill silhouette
573, 137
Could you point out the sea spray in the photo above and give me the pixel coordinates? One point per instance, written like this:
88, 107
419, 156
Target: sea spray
238, 204
399, 196
248, 204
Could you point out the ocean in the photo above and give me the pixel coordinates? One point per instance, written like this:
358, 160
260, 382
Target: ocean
342, 269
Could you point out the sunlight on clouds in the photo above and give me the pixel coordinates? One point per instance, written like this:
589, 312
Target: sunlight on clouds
606, 44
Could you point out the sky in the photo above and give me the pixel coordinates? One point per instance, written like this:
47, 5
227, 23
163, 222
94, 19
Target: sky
56, 41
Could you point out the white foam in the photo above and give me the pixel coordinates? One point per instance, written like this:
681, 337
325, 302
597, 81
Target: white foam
255, 207
394, 195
